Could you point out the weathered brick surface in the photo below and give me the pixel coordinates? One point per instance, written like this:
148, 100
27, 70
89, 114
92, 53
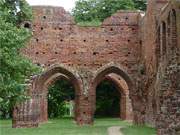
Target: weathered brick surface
139, 54
56, 39
160, 58
85, 56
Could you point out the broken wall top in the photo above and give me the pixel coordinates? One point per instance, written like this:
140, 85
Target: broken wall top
52, 15
58, 15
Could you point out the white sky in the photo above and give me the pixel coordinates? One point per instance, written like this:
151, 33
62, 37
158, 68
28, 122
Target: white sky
67, 4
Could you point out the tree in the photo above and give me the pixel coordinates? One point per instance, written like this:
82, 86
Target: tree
14, 68
109, 7
90, 10
140, 4
15, 11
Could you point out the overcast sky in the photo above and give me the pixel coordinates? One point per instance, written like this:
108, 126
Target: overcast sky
67, 4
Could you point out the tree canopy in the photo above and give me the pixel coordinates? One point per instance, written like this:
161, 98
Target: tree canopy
14, 68
15, 11
90, 10
140, 4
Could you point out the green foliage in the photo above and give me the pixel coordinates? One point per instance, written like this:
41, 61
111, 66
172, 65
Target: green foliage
98, 10
140, 4
14, 68
107, 100
60, 92
94, 23
15, 11
89, 10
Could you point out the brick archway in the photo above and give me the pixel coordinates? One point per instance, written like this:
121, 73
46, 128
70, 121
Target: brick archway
125, 101
44, 104
32, 112
49, 77
103, 73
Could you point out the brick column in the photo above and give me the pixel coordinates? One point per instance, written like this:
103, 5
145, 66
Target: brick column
43, 109
84, 111
26, 114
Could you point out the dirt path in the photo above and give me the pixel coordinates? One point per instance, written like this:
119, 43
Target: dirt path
114, 130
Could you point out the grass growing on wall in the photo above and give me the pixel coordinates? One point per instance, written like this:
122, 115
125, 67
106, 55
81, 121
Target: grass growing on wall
68, 127
94, 23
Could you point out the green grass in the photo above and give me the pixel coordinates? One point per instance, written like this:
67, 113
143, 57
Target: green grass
68, 127
138, 130
94, 23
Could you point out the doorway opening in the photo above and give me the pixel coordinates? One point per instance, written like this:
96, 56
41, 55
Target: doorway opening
61, 99
107, 100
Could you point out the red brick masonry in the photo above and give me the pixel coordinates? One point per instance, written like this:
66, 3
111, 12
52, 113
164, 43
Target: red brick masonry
138, 53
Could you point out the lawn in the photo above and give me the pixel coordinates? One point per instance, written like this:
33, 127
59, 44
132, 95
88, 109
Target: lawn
68, 127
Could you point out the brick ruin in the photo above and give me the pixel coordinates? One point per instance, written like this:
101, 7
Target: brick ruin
138, 53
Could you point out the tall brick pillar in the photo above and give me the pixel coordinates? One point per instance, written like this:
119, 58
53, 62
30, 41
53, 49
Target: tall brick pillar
43, 106
85, 109
26, 114
84, 112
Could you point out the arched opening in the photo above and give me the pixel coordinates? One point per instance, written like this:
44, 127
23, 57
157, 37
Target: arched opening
61, 99
27, 25
158, 55
49, 81
163, 39
115, 76
173, 29
168, 33
107, 100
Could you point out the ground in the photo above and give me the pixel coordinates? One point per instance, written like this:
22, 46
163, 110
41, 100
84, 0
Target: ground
68, 127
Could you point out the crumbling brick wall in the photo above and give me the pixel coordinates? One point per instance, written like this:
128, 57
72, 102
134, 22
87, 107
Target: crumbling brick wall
56, 39
160, 58
85, 55
142, 51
